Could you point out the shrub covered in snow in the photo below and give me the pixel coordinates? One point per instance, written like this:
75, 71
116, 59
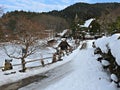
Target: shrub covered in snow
114, 78
105, 63
110, 58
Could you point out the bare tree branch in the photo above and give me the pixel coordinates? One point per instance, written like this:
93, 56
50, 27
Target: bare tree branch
27, 37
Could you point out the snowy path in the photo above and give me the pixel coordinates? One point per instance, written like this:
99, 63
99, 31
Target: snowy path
85, 73
54, 75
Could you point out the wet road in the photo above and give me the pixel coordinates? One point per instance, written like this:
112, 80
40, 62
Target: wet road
52, 77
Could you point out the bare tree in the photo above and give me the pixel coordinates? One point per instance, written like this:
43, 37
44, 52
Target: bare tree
26, 42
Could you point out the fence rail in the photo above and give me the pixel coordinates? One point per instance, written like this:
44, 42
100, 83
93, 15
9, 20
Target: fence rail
29, 61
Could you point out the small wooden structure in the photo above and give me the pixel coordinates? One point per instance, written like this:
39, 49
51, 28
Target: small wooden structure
7, 65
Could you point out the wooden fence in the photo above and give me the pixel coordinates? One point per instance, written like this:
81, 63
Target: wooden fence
30, 61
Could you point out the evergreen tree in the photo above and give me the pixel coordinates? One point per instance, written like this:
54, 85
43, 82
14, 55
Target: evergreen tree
95, 28
118, 23
75, 27
1, 34
115, 26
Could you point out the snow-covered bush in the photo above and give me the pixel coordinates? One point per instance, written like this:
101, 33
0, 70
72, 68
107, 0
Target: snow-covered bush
110, 58
105, 63
114, 78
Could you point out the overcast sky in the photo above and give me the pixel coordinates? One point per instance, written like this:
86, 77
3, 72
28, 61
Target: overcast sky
43, 5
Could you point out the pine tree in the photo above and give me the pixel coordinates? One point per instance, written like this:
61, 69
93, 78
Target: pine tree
76, 26
95, 28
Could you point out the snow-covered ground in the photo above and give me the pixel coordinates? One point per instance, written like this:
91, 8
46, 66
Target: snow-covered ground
87, 73
42, 53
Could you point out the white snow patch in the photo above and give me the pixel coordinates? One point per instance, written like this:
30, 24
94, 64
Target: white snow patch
105, 63
114, 77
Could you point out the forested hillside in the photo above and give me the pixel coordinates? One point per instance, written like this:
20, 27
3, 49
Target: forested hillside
106, 15
48, 21
85, 10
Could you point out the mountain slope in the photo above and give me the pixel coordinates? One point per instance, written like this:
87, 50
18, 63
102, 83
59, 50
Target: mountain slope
85, 10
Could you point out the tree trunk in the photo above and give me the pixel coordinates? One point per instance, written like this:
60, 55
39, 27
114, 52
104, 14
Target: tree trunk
23, 65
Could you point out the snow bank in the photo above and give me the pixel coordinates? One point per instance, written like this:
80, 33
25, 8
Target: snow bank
111, 42
101, 43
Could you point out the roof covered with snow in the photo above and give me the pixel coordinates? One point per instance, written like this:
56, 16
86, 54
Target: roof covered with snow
63, 33
87, 22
